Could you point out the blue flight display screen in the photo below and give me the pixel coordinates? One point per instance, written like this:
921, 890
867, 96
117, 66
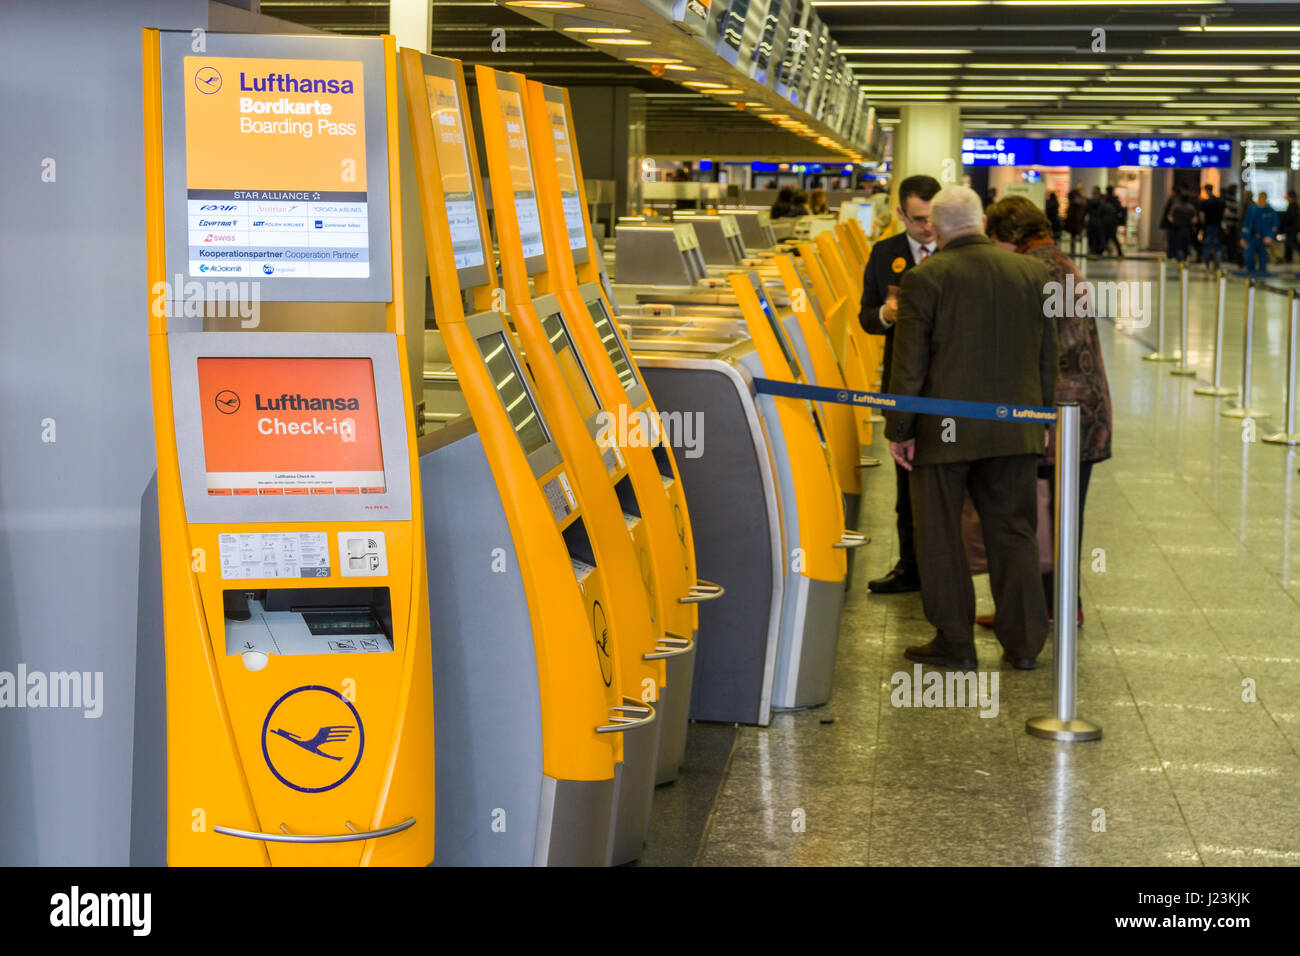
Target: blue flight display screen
998, 151
1178, 153
1101, 153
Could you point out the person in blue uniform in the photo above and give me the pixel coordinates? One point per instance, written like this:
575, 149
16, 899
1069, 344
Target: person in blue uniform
1258, 230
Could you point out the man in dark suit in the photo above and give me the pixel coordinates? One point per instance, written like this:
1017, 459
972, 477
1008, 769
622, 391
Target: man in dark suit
972, 327
889, 261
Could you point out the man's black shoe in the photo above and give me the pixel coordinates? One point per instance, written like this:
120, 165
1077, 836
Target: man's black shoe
1020, 663
937, 657
896, 581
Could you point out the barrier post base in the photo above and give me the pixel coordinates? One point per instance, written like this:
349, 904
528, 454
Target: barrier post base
1069, 731
1182, 370
867, 461
877, 419
1161, 357
1239, 412
1218, 391
1283, 438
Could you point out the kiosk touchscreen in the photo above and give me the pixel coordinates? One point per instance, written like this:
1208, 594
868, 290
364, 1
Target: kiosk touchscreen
618, 533
533, 757
812, 514
296, 692
630, 419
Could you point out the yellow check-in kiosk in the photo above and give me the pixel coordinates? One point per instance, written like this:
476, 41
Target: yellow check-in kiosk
839, 311
813, 346
293, 721
617, 532
855, 257
630, 421
528, 682
811, 510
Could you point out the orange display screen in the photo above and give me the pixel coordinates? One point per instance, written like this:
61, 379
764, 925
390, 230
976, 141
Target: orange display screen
521, 173
453, 165
290, 426
564, 167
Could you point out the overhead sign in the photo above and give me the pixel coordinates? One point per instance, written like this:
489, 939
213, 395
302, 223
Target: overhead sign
998, 151
1178, 153
1081, 152
275, 166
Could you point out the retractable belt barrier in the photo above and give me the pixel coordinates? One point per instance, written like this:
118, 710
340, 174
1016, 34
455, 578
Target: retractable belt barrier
1063, 724
991, 411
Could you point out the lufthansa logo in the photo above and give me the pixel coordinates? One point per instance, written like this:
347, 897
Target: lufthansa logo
207, 80
227, 402
899, 264
842, 396
1002, 411
600, 628
312, 739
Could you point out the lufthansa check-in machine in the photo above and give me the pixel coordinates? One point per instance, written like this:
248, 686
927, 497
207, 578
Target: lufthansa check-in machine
615, 529
644, 439
839, 312
529, 677
812, 513
654, 255
284, 711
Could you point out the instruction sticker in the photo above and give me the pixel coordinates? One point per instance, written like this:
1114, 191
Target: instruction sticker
292, 554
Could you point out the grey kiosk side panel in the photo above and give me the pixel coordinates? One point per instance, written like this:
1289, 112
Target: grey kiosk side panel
487, 706
733, 547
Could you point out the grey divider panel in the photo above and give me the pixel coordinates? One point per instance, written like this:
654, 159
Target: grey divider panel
487, 706
487, 710
74, 349
816, 673
732, 544
149, 754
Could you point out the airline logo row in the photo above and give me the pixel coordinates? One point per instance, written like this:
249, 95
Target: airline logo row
238, 492
220, 208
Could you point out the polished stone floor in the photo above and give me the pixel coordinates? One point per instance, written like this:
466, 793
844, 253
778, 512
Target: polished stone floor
1189, 659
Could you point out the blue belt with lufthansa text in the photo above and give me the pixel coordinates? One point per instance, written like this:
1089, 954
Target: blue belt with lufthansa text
907, 403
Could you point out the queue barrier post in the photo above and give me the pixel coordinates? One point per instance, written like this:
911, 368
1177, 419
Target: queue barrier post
1065, 724
1218, 389
1159, 355
1288, 435
1242, 408
1182, 368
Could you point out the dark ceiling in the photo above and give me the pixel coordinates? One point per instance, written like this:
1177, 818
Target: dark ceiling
1010, 63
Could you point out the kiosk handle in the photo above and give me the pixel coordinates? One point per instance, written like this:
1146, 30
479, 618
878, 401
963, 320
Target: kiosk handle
622, 723
350, 837
702, 591
851, 539
674, 645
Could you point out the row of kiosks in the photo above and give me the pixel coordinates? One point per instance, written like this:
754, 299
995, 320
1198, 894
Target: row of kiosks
695, 362
284, 705
610, 535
